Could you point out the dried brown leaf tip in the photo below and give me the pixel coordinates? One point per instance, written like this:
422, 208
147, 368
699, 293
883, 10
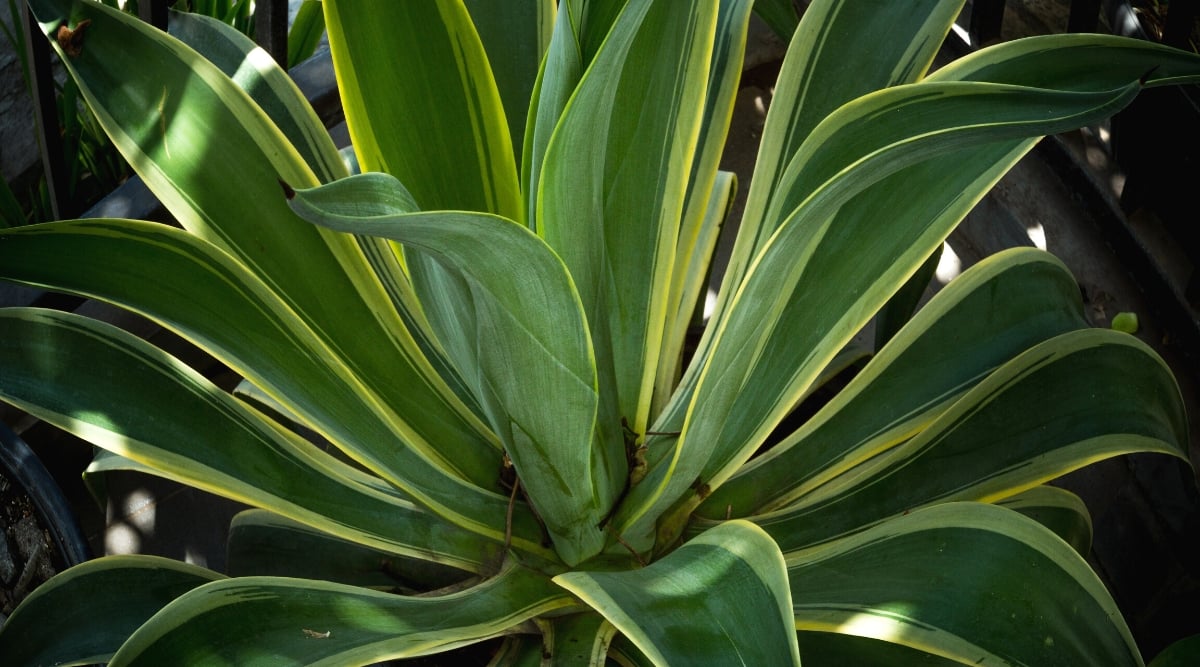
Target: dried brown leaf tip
313, 634
70, 40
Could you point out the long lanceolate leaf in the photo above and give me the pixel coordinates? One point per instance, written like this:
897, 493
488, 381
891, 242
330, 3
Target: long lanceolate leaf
720, 599
270, 620
84, 615
709, 196
776, 337
464, 160
227, 193
579, 28
976, 451
841, 50
213, 301
612, 188
963, 581
953, 343
515, 35
254, 71
200, 435
535, 376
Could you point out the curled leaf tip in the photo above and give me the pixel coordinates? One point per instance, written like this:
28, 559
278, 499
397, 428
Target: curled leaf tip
287, 190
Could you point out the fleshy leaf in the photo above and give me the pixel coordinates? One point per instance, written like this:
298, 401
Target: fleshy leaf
84, 614
279, 620
721, 598
920, 581
535, 376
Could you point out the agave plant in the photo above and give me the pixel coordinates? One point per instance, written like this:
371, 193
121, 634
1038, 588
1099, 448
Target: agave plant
479, 319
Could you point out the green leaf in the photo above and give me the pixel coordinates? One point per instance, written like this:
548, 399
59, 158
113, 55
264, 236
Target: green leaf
689, 287
900, 308
516, 35
709, 196
538, 345
305, 34
777, 335
1082, 397
579, 28
614, 217
262, 543
212, 300
825, 69
954, 342
1075, 61
578, 639
94, 380
920, 581
1059, 510
437, 125
780, 15
1180, 654
84, 614
257, 73
297, 621
161, 121
518, 651
832, 648
721, 598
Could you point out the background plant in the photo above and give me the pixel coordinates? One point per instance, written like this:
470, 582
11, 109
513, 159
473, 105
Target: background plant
95, 166
487, 324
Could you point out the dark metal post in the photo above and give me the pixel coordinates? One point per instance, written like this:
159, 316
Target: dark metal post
45, 107
1181, 14
270, 28
986, 17
154, 12
1084, 16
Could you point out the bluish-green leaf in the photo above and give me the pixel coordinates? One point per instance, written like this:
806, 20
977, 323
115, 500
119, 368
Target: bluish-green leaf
524, 351
953, 343
272, 620
84, 614
970, 582
721, 598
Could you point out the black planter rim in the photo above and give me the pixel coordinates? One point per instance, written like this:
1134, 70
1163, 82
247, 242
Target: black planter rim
23, 468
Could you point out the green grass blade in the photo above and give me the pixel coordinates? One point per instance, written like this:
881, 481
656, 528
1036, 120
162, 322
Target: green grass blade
919, 581
84, 614
296, 621
719, 599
